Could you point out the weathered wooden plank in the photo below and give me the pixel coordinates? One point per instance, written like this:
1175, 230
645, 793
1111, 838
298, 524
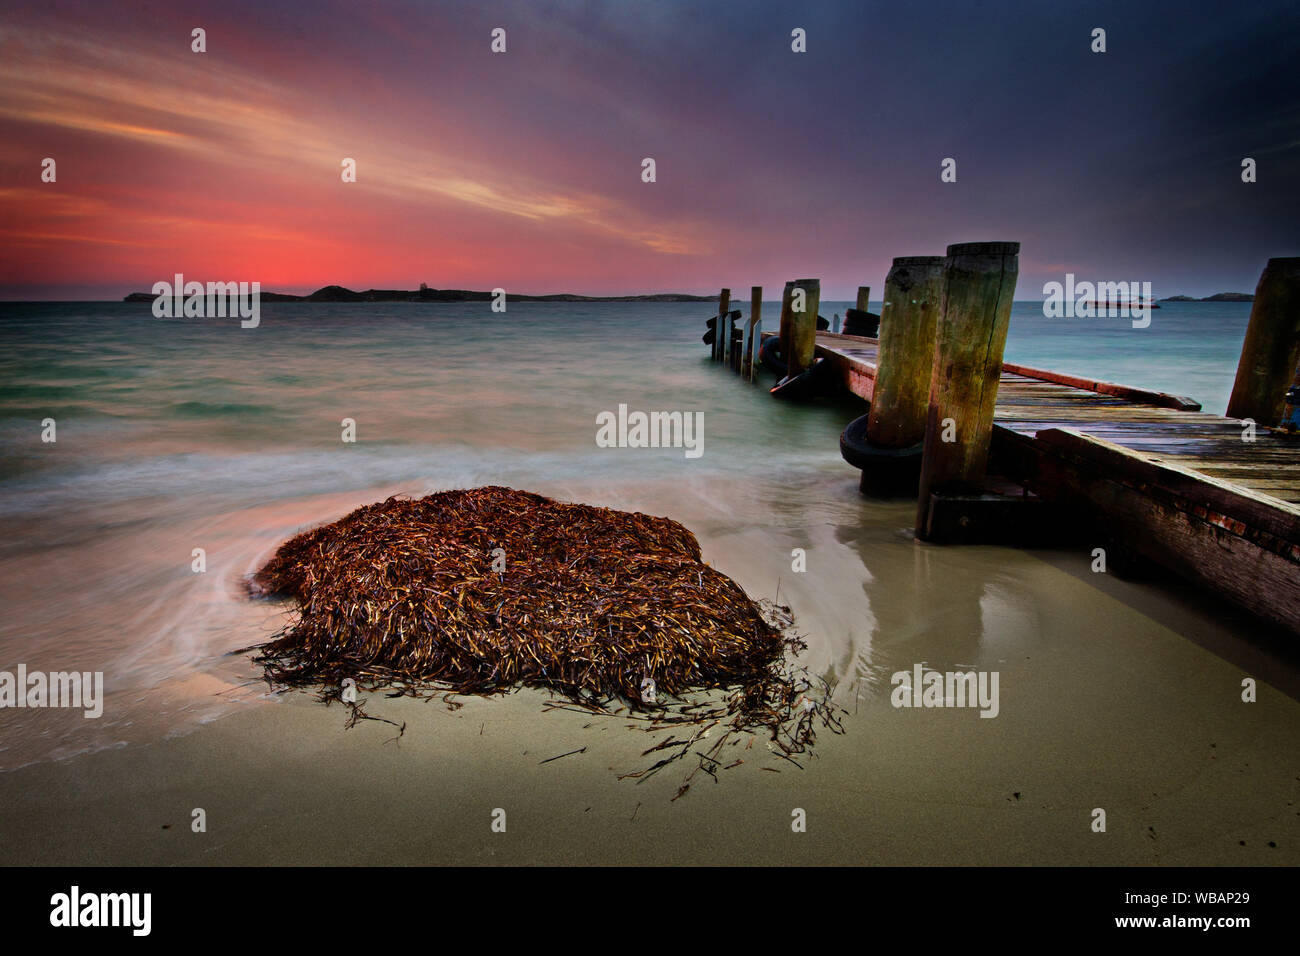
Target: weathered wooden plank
1019, 519
860, 379
1240, 510
724, 322
753, 328
1108, 388
1251, 567
747, 349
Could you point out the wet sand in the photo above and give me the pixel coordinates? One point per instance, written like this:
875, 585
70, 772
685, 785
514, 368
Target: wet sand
1114, 695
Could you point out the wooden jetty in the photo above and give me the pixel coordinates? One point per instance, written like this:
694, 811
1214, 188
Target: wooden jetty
1147, 476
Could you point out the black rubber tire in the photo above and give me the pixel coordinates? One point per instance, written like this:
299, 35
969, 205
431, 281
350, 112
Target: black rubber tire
853, 442
822, 324
813, 383
857, 322
858, 452
770, 356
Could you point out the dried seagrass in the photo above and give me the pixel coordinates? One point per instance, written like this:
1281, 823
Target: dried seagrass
486, 590
588, 602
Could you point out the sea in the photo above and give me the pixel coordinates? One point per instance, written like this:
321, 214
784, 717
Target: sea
148, 466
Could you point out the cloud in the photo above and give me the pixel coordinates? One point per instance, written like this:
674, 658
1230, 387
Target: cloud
195, 105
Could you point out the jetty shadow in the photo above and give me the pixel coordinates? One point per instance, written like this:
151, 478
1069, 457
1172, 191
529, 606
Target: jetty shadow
1260, 649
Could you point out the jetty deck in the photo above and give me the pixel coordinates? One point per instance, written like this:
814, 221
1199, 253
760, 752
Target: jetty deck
1172, 427
999, 453
1157, 475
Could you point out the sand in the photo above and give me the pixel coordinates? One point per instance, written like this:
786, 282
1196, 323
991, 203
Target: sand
1113, 695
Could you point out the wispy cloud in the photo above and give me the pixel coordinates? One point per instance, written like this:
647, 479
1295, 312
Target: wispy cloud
195, 105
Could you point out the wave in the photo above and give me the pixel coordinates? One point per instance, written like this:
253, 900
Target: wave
195, 409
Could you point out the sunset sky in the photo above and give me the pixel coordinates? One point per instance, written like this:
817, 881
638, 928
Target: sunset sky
523, 169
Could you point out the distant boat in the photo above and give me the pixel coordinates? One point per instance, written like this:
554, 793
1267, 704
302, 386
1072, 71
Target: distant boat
1117, 306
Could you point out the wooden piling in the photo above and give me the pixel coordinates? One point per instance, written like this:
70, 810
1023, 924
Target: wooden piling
719, 334
745, 344
1180, 489
971, 333
803, 326
783, 331
752, 327
1270, 353
913, 298
864, 296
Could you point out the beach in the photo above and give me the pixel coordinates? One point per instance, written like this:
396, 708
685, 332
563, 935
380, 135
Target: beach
1109, 706
1119, 695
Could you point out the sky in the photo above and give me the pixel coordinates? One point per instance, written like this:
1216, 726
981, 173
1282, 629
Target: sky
523, 169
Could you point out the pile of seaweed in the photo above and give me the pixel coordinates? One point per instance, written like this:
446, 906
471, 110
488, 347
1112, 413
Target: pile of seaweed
481, 591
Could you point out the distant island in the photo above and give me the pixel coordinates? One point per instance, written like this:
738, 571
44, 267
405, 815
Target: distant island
336, 293
1217, 297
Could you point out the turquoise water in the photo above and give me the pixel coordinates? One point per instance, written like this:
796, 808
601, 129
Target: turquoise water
1190, 348
174, 435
